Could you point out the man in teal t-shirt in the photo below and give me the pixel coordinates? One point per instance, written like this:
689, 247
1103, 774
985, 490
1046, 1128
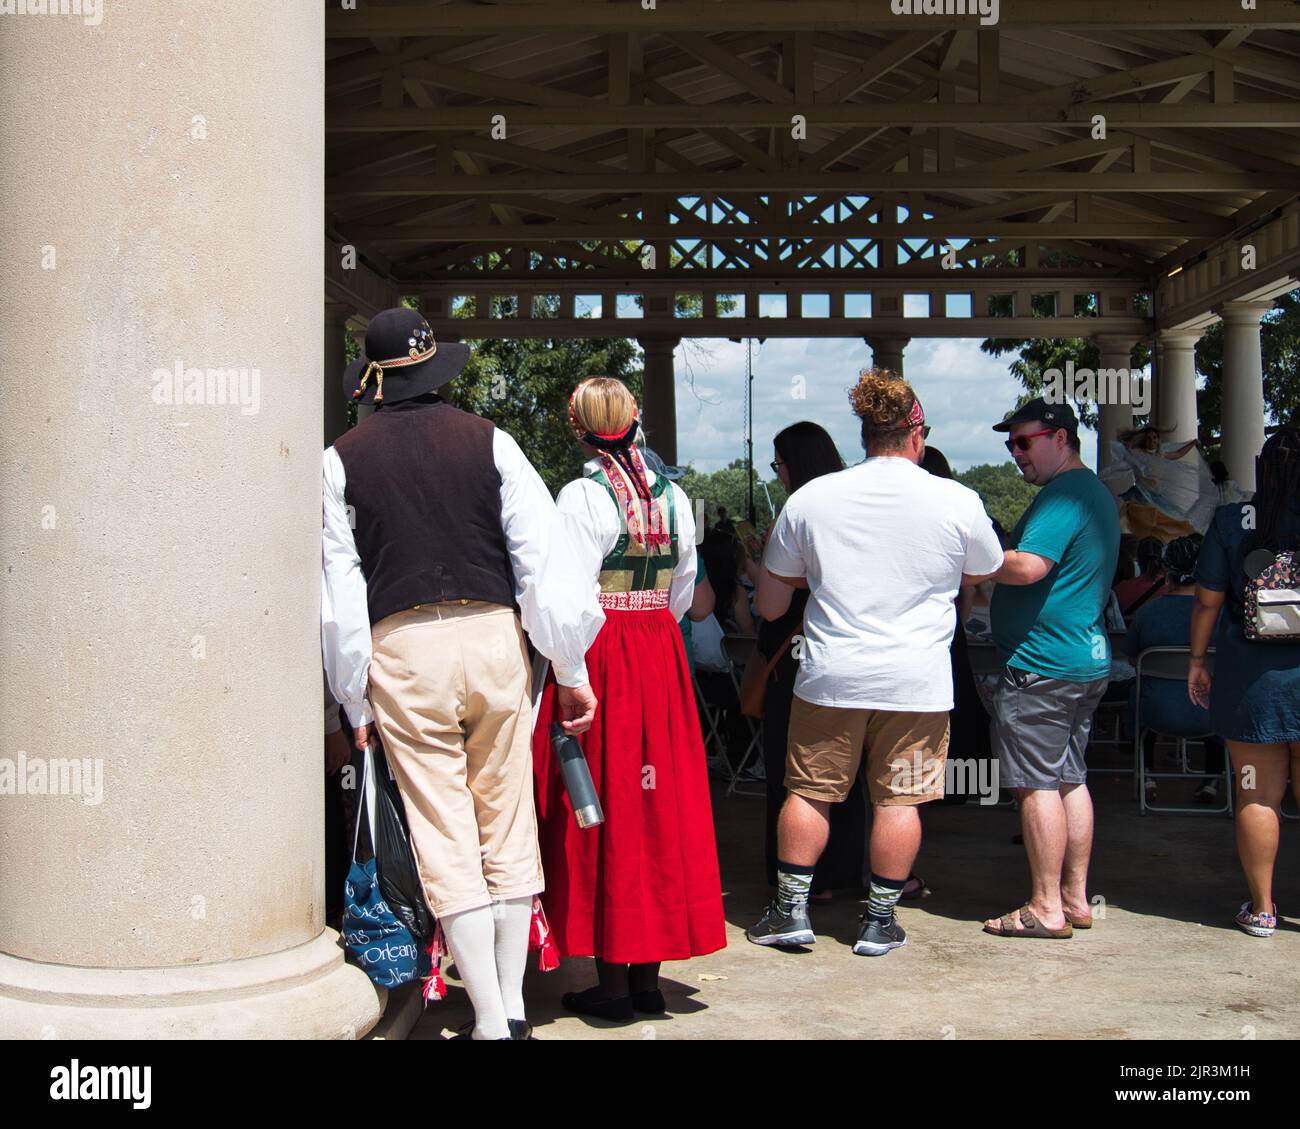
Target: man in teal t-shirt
1047, 616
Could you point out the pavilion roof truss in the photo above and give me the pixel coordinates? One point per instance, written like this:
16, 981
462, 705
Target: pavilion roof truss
642, 156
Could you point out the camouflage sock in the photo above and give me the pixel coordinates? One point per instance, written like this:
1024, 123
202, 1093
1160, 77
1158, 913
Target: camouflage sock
882, 897
793, 884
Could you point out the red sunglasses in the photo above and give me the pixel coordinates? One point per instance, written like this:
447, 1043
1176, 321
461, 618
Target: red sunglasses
1024, 442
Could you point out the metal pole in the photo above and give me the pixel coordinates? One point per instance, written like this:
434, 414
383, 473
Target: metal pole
749, 426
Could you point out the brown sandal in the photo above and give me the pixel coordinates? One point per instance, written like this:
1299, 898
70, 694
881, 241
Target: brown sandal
1078, 921
1032, 926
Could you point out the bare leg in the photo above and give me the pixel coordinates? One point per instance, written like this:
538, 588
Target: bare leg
802, 830
895, 839
1077, 802
1260, 773
1042, 819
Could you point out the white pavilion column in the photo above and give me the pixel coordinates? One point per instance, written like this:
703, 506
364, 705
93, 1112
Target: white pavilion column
659, 412
161, 537
887, 351
1116, 351
1176, 385
1243, 390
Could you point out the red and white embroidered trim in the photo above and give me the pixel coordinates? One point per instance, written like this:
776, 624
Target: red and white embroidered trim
634, 601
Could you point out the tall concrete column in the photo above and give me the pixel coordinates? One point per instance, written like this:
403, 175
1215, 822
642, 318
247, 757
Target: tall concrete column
161, 257
1176, 385
1113, 416
659, 411
887, 351
1243, 390
336, 360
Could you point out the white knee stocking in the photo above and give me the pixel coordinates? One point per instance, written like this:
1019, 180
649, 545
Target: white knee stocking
472, 939
512, 919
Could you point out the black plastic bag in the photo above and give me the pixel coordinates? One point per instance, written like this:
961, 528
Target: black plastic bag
399, 877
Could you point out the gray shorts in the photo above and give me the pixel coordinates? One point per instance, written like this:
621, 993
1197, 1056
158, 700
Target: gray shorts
1040, 728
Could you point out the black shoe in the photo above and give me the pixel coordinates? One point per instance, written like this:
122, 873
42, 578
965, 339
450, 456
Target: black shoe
650, 1003
875, 939
467, 1032
597, 1006
778, 928
521, 1031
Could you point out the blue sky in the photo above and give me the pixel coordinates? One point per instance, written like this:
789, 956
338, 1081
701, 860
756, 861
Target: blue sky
964, 393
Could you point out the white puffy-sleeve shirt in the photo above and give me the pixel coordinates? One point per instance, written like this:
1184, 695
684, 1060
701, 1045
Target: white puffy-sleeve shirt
594, 526
557, 606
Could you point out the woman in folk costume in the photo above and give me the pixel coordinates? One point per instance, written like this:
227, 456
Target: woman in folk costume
643, 887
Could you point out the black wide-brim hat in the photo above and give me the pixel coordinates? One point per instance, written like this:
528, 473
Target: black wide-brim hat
401, 360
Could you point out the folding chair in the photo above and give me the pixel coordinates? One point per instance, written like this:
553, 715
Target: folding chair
1171, 664
710, 718
739, 649
1113, 709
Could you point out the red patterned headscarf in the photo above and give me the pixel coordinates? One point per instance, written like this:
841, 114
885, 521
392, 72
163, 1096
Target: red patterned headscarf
628, 475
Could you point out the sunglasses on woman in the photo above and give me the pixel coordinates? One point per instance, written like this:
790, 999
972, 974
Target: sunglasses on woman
1024, 442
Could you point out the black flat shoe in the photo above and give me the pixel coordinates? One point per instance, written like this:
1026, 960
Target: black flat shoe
521, 1031
597, 1006
650, 1003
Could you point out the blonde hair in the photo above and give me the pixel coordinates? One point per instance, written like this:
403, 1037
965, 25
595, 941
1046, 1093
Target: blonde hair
883, 401
603, 406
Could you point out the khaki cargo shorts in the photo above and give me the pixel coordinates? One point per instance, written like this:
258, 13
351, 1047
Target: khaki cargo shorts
905, 753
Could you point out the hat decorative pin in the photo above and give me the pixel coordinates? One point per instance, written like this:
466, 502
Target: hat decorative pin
401, 360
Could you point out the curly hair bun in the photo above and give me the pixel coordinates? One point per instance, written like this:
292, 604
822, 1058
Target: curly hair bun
882, 401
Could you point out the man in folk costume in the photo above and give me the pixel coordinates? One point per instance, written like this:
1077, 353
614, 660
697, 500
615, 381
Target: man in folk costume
439, 538
642, 887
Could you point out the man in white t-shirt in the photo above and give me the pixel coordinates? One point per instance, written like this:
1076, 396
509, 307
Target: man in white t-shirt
883, 548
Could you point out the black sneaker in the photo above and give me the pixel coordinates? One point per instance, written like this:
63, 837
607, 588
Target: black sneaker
875, 940
777, 928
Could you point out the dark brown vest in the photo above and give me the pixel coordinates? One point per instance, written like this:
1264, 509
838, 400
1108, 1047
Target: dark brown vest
425, 496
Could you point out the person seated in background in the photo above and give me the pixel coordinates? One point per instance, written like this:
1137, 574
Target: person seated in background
1229, 491
722, 555
1165, 706
1149, 584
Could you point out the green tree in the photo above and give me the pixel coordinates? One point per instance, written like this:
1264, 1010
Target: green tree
523, 385
728, 487
1036, 355
1002, 489
1280, 345
1279, 341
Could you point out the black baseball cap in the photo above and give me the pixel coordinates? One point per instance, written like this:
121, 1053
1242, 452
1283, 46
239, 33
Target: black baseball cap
1040, 411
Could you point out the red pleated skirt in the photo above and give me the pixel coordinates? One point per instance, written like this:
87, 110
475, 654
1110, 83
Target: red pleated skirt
643, 886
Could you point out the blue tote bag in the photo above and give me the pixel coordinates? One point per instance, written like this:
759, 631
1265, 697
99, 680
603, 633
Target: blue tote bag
382, 945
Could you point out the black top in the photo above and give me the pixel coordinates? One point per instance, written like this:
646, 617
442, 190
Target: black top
772, 635
423, 485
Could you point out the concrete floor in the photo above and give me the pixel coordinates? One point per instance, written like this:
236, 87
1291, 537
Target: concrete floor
1166, 961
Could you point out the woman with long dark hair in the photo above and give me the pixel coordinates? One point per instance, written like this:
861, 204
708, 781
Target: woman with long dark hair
1254, 696
804, 451
968, 721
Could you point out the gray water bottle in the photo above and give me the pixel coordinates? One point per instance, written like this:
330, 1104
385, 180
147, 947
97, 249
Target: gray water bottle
577, 777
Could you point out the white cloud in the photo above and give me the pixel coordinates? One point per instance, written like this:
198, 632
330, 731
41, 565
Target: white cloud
963, 390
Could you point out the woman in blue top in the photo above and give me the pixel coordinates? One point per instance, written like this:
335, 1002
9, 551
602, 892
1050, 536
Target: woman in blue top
1254, 698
